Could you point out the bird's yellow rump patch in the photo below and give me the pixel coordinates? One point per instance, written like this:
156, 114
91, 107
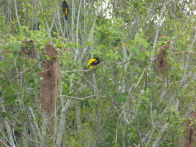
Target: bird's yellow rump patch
65, 11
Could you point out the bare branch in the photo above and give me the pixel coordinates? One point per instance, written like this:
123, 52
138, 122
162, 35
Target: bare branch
78, 98
16, 11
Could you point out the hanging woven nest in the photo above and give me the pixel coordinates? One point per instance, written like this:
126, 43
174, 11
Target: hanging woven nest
50, 74
161, 62
28, 48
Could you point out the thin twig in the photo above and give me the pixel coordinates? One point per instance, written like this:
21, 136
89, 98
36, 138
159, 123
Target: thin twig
140, 77
36, 125
16, 11
133, 89
84, 70
31, 139
11, 95
185, 52
77, 98
124, 62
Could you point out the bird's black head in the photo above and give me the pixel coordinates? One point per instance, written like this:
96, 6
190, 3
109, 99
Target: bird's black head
99, 61
38, 24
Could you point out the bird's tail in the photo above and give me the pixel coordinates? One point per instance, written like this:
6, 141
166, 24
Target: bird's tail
66, 18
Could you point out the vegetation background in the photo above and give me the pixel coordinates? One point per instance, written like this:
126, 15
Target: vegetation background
142, 93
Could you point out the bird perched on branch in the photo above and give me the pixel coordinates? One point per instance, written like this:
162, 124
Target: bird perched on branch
36, 26
93, 62
65, 9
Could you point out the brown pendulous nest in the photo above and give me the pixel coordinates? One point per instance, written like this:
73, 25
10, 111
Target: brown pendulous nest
161, 62
28, 48
190, 138
50, 74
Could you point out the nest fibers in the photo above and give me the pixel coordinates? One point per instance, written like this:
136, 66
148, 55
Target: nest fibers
50, 74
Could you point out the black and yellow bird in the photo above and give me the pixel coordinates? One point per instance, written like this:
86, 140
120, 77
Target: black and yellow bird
36, 26
65, 9
93, 62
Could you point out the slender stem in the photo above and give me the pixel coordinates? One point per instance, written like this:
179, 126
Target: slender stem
16, 11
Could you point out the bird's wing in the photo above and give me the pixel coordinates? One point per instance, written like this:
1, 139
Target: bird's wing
90, 61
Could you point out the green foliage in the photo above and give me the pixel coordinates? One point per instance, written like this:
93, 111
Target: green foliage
3, 27
127, 99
